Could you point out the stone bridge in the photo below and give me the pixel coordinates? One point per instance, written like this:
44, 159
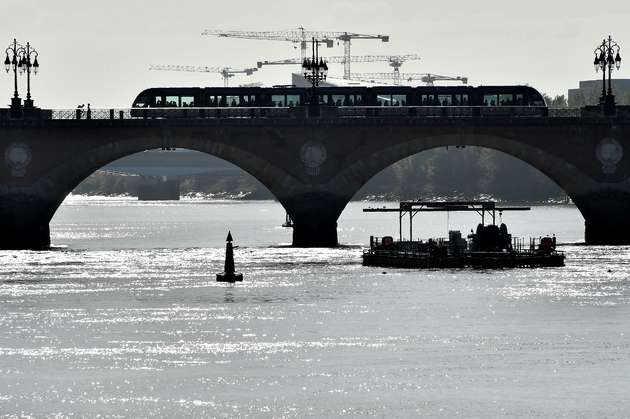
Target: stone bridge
313, 165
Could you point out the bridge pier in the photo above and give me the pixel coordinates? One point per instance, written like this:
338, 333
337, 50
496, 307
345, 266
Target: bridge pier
24, 223
606, 219
314, 217
314, 234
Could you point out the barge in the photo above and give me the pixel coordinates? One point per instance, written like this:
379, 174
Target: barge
489, 246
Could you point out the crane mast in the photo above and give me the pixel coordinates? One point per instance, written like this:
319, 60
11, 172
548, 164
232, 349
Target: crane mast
302, 36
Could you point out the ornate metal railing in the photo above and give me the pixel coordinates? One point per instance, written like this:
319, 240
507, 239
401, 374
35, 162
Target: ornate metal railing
167, 113
441, 111
91, 114
291, 112
565, 112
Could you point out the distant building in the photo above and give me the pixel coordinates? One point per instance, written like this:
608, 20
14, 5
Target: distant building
588, 85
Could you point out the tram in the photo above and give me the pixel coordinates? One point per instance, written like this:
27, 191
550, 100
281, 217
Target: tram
357, 96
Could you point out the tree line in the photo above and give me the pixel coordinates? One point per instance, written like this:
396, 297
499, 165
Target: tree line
592, 98
443, 173
464, 173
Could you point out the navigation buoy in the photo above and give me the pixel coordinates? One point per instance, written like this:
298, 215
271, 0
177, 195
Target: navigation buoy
229, 275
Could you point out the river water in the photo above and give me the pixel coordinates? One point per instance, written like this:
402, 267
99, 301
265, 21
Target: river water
124, 319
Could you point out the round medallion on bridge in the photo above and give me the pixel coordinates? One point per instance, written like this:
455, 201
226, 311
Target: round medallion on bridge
18, 156
313, 154
609, 152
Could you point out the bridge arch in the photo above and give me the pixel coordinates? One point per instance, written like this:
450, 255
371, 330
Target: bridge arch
68, 175
568, 177
462, 172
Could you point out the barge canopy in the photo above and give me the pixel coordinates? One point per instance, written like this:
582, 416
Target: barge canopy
414, 207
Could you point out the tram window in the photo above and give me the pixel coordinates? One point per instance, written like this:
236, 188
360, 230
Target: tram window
384, 100
141, 102
506, 100
490, 100
399, 100
188, 101
172, 101
217, 101
293, 100
536, 100
248, 100
445, 100
428, 100
353, 100
158, 101
460, 100
277, 100
232, 101
392, 100
519, 100
338, 100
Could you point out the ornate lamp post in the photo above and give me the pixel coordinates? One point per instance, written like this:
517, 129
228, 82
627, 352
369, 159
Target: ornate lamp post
26, 66
16, 50
20, 61
605, 59
315, 71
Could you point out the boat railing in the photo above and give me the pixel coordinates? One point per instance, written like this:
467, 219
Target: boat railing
412, 248
518, 244
535, 246
404, 248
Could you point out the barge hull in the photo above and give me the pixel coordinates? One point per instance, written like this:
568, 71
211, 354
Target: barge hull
478, 260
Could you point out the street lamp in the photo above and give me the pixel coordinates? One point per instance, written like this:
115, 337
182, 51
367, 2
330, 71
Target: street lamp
605, 58
26, 67
17, 51
315, 71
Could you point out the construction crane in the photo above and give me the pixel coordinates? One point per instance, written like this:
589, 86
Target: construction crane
226, 72
397, 59
302, 36
426, 78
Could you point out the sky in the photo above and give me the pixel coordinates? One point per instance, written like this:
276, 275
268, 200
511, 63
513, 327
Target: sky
100, 52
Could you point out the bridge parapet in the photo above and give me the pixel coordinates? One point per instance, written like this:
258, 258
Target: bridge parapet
301, 112
603, 111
